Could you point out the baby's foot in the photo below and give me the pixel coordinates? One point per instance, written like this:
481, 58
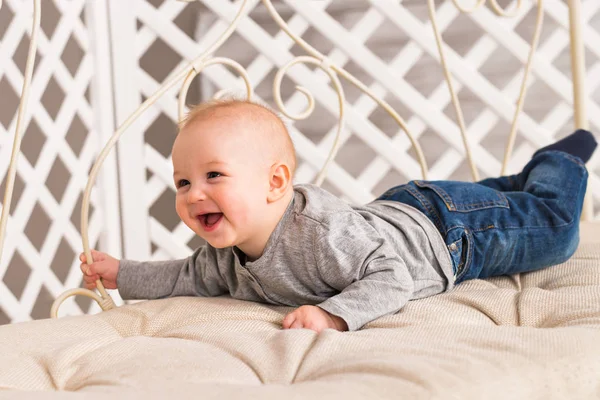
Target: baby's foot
580, 143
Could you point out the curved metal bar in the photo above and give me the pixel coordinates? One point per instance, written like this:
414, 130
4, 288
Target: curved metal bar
100, 160
456, 103
12, 168
106, 301
392, 113
495, 7
346, 75
78, 291
311, 103
539, 19
198, 69
579, 89
502, 12
468, 10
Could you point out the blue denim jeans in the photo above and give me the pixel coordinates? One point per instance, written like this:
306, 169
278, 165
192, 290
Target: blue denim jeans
506, 225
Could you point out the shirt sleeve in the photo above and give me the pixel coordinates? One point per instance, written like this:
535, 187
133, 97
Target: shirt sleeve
196, 275
354, 259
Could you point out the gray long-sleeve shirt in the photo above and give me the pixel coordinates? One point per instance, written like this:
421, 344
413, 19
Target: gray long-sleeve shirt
356, 262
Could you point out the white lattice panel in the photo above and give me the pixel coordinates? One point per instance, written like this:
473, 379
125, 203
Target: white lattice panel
69, 117
390, 47
386, 44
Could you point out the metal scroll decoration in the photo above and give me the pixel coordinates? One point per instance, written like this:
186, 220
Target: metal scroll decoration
206, 59
187, 74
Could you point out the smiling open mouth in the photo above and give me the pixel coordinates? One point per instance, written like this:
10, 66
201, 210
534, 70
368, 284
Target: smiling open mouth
210, 220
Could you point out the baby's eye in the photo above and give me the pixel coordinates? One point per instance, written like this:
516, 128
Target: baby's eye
213, 174
182, 182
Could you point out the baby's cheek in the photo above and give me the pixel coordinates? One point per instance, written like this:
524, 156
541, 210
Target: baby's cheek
239, 217
182, 211
178, 209
237, 207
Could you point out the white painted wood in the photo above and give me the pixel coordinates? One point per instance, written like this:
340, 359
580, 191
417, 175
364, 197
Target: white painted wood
102, 102
136, 241
37, 274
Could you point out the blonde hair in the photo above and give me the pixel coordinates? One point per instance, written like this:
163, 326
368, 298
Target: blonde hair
284, 147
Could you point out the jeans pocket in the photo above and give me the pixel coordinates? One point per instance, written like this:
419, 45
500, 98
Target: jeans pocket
465, 196
461, 253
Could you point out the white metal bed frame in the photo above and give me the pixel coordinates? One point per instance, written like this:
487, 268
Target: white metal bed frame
316, 58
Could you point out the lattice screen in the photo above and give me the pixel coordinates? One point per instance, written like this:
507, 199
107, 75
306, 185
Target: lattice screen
70, 112
386, 44
390, 47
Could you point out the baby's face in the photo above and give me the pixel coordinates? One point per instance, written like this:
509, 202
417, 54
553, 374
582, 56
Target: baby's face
221, 184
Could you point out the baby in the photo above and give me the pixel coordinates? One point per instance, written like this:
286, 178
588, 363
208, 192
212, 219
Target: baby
344, 265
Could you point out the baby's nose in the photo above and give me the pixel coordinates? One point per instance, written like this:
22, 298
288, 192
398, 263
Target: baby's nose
196, 194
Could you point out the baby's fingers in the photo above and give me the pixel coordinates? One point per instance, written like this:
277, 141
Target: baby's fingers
293, 320
86, 269
96, 256
288, 320
91, 278
90, 281
297, 324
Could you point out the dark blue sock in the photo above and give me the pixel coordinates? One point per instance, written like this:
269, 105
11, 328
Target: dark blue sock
580, 143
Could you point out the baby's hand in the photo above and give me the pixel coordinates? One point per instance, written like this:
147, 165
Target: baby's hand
315, 318
104, 266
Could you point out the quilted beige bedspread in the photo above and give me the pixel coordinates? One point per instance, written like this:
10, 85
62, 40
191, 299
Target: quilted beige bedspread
529, 336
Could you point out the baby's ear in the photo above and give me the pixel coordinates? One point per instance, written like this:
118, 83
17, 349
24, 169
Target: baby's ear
280, 179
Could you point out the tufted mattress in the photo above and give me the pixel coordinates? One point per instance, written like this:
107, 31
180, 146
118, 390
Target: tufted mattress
528, 336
